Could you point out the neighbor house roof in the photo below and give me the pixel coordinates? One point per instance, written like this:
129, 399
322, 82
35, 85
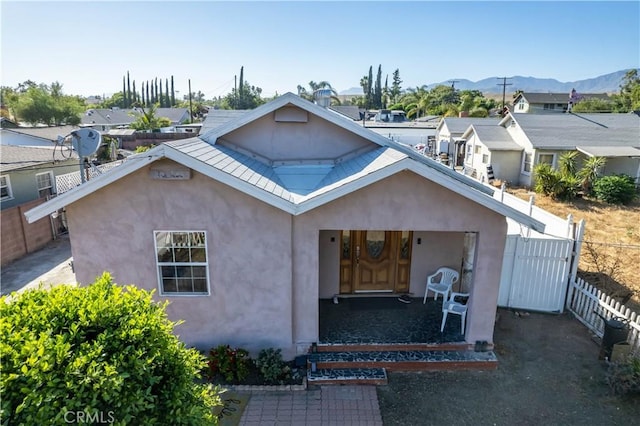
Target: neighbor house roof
555, 98
496, 138
458, 125
46, 133
124, 117
566, 131
350, 111
14, 157
217, 117
282, 187
610, 151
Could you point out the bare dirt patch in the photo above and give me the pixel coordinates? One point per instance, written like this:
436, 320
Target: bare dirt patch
611, 249
548, 373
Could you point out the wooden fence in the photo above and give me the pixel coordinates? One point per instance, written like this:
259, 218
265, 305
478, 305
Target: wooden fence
586, 302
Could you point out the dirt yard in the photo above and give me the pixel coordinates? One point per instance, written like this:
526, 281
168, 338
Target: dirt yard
611, 249
548, 373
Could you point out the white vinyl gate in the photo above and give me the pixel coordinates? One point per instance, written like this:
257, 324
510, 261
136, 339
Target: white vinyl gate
535, 273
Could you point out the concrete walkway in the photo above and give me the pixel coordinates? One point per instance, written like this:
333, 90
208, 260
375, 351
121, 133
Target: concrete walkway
317, 406
324, 405
50, 265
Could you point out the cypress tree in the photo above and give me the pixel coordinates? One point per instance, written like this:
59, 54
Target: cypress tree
161, 98
240, 104
369, 94
142, 93
129, 102
377, 94
148, 98
173, 94
157, 99
166, 93
124, 93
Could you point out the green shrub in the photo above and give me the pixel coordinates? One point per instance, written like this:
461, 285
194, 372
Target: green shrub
100, 350
618, 189
555, 184
272, 366
232, 365
623, 377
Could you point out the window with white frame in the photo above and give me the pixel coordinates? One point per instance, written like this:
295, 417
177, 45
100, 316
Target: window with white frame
545, 158
485, 158
478, 149
5, 188
45, 184
181, 258
526, 162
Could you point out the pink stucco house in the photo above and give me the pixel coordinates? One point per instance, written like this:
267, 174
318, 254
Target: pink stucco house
245, 227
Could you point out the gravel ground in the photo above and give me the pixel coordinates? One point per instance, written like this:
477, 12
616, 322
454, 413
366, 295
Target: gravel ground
548, 373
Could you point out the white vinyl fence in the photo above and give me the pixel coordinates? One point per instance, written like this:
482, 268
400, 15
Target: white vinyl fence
586, 302
537, 268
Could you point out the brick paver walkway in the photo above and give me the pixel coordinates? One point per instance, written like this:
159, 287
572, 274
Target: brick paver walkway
324, 405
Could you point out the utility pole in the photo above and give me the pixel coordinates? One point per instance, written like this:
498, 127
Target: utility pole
190, 105
504, 85
453, 83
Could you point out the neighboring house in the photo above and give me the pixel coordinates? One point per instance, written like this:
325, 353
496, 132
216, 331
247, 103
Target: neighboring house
45, 137
449, 133
350, 111
519, 142
244, 228
549, 103
217, 117
28, 173
114, 118
5, 123
491, 145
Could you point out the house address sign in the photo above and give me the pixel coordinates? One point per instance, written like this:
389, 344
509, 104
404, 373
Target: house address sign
171, 174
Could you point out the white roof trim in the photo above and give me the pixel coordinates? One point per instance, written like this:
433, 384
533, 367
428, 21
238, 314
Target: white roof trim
132, 164
306, 203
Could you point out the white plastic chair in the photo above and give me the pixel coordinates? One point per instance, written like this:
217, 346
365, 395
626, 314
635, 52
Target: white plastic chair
448, 277
451, 306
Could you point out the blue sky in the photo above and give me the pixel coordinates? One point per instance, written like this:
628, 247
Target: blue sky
89, 46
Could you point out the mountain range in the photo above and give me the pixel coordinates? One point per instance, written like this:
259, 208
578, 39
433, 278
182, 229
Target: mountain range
607, 83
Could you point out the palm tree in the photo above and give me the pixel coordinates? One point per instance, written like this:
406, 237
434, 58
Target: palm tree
415, 101
590, 172
313, 87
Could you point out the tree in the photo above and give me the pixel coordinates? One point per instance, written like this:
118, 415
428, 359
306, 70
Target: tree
167, 102
629, 97
313, 86
148, 120
593, 105
129, 98
377, 92
396, 89
101, 350
385, 92
46, 105
173, 94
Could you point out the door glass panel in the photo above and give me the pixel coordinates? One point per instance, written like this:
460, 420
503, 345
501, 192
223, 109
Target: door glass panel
346, 244
404, 245
375, 243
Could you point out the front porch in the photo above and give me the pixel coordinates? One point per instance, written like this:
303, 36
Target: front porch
362, 338
385, 320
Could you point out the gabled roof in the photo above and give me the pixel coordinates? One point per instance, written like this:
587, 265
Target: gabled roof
123, 117
46, 133
555, 98
14, 157
217, 117
349, 111
458, 125
566, 131
496, 138
267, 183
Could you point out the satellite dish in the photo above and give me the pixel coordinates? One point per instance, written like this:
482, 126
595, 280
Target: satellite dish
86, 141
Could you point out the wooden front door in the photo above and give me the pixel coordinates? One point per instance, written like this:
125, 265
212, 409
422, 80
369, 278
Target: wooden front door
375, 261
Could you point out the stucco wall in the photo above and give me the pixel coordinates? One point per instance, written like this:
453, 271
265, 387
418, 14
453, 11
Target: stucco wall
402, 202
315, 139
249, 252
506, 165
